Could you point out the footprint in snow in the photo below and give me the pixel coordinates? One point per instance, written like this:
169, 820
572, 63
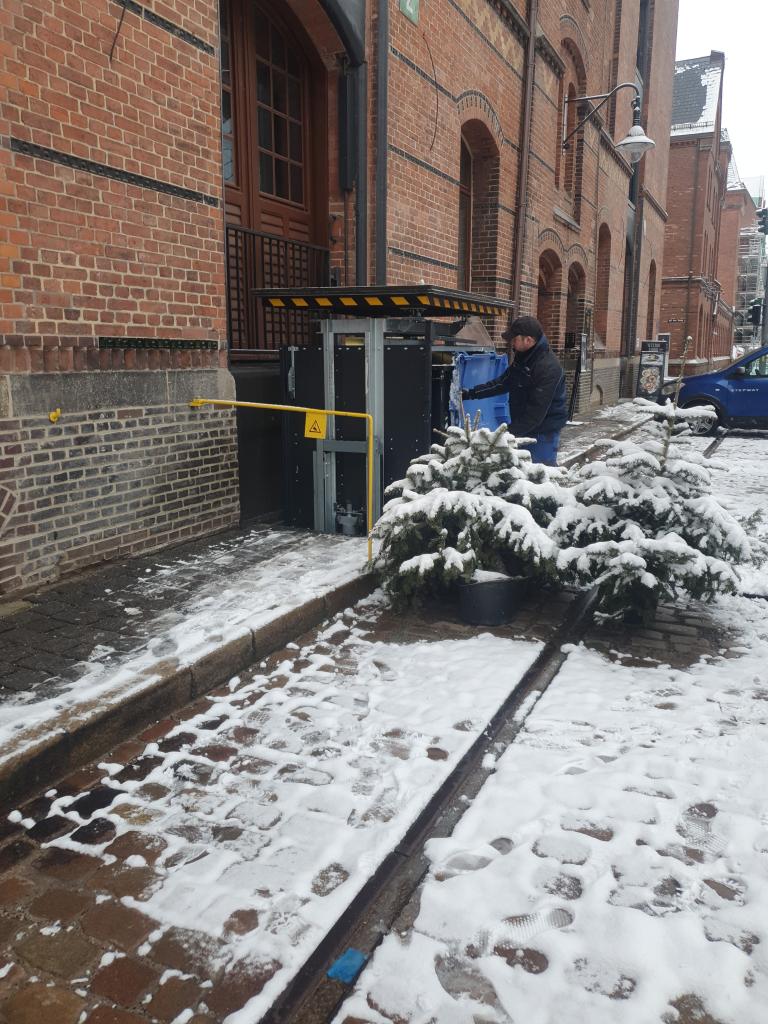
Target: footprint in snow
523, 927
461, 980
695, 827
461, 863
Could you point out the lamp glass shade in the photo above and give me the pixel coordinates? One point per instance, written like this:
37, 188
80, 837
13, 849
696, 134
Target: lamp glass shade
635, 145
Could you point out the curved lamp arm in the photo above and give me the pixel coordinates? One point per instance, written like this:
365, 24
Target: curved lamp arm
603, 97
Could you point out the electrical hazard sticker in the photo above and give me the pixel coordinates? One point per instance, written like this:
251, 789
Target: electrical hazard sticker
314, 425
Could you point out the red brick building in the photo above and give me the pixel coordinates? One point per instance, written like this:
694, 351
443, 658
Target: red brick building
161, 159
693, 302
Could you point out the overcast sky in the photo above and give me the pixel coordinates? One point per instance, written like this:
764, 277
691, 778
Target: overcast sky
740, 29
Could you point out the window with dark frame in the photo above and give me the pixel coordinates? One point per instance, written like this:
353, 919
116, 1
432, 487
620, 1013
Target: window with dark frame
228, 149
280, 88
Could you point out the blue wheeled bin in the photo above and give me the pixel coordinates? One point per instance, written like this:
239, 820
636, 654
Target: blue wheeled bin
472, 369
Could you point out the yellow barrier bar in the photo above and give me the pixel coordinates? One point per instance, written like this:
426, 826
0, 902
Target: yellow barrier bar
197, 403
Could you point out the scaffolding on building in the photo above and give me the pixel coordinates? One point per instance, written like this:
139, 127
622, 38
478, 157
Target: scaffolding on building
751, 282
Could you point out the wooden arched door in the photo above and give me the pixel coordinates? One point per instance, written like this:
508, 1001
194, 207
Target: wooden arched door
273, 122
275, 159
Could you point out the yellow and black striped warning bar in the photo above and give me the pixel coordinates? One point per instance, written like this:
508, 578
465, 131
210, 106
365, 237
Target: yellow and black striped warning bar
393, 300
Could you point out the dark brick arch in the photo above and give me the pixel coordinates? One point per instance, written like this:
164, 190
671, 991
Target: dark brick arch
484, 249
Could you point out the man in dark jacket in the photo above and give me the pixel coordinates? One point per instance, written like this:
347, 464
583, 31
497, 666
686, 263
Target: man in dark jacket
536, 385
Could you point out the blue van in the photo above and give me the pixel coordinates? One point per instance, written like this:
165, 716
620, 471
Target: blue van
738, 392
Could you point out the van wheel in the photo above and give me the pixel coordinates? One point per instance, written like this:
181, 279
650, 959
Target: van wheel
699, 427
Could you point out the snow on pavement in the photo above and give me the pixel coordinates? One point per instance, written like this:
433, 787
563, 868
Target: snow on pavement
263, 816
614, 866
232, 601
614, 869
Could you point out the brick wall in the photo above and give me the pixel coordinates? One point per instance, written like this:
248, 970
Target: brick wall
112, 283
111, 483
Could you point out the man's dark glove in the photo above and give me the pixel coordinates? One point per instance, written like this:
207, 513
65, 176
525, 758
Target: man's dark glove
467, 393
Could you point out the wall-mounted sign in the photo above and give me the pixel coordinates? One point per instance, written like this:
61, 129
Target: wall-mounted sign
315, 424
410, 9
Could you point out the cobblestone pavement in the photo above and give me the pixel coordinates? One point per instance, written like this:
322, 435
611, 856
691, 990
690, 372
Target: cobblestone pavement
52, 639
180, 873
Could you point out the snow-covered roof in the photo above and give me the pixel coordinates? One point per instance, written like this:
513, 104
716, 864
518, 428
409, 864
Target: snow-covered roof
734, 178
696, 94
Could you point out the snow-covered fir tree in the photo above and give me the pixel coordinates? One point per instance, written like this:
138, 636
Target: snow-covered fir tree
475, 502
643, 525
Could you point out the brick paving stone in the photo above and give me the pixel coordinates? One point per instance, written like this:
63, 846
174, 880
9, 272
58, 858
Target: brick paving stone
80, 779
124, 980
51, 828
14, 852
113, 1015
137, 844
96, 832
14, 975
175, 996
159, 729
39, 1004
64, 953
125, 752
9, 926
185, 950
237, 985
138, 769
116, 924
93, 800
66, 865
57, 904
9, 829
121, 880
15, 890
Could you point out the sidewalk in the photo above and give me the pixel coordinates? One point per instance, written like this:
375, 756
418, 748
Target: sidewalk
148, 634
610, 869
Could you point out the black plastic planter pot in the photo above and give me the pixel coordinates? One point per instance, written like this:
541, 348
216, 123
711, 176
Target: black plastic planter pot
490, 602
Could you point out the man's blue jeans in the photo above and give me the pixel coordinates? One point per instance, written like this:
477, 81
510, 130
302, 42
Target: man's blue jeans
545, 448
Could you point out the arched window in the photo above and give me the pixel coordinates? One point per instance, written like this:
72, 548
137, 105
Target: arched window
575, 85
650, 318
571, 111
465, 219
603, 288
574, 311
549, 294
478, 228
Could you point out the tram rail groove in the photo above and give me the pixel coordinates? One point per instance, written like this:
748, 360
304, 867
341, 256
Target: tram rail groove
313, 998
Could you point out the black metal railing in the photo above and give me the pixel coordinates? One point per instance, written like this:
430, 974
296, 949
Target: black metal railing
257, 260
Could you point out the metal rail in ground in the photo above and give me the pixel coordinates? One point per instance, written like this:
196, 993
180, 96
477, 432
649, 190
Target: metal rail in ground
314, 998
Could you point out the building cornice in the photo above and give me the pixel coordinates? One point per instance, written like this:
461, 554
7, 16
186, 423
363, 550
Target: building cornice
655, 204
514, 21
549, 55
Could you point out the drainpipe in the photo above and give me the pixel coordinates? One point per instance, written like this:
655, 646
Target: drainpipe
691, 237
361, 204
521, 207
382, 72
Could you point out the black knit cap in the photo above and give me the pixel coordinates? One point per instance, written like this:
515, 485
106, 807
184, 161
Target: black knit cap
527, 326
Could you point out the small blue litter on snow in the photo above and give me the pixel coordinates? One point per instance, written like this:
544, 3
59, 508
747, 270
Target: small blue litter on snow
348, 966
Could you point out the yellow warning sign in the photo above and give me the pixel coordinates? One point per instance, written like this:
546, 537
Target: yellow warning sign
314, 425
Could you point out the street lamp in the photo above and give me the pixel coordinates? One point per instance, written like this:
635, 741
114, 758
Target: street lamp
636, 143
